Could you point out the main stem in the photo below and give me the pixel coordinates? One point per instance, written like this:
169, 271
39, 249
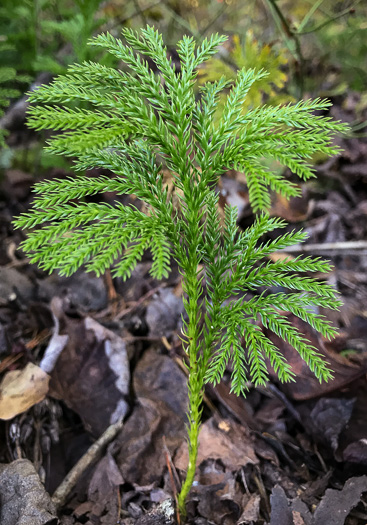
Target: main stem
193, 291
195, 387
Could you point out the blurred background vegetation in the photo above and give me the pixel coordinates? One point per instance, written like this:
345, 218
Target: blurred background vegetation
310, 47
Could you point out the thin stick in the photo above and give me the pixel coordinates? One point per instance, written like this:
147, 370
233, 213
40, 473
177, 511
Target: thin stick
173, 483
62, 492
118, 506
137, 13
285, 28
140, 301
348, 11
327, 247
288, 405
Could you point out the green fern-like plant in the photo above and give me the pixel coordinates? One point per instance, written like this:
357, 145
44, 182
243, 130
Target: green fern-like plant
56, 33
8, 77
6, 74
142, 121
76, 26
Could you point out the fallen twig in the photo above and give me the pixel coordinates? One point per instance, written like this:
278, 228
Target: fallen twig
174, 479
327, 247
62, 492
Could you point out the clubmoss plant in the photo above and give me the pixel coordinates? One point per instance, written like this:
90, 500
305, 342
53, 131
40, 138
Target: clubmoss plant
143, 120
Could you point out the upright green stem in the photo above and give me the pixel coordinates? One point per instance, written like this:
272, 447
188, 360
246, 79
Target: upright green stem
195, 387
193, 290
198, 367
193, 436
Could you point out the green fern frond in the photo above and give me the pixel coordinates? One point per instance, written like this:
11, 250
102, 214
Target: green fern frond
232, 110
284, 329
78, 143
67, 118
300, 116
265, 249
219, 360
269, 179
258, 192
161, 250
240, 373
131, 257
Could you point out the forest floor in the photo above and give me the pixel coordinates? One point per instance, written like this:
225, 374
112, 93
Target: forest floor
79, 354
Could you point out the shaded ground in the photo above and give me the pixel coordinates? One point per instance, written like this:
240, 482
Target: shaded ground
103, 350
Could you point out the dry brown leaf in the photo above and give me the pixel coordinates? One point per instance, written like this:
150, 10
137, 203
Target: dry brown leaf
337, 504
280, 256
295, 209
353, 439
21, 389
233, 447
161, 393
92, 374
237, 406
251, 509
329, 417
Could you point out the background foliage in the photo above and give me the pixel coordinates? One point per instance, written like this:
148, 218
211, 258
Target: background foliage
311, 48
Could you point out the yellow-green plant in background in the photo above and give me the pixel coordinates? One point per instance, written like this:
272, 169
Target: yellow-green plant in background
251, 54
